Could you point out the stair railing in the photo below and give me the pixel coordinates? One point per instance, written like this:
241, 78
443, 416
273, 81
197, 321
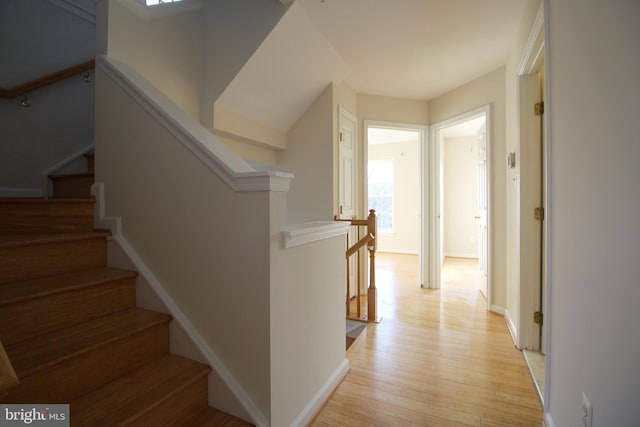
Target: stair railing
23, 89
368, 240
8, 377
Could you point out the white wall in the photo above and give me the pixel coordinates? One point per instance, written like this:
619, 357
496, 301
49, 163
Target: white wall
461, 197
593, 211
307, 323
233, 32
36, 39
487, 89
309, 156
167, 51
406, 198
195, 234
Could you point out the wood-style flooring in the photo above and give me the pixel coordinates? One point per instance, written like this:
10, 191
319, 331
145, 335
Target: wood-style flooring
438, 358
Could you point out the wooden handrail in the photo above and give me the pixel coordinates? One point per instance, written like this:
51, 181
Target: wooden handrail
8, 377
46, 80
370, 241
360, 243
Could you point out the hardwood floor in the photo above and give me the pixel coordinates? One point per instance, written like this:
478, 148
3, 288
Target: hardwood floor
438, 358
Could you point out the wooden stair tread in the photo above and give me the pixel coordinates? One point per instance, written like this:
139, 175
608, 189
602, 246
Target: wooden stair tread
36, 288
211, 417
24, 239
43, 351
72, 175
43, 201
126, 398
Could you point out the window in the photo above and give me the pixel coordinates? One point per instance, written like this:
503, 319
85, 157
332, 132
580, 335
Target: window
380, 176
156, 2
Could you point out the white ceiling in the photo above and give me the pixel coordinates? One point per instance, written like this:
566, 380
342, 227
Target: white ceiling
414, 49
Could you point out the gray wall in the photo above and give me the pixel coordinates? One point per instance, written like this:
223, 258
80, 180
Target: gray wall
36, 39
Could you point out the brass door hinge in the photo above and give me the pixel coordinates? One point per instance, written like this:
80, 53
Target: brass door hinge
538, 214
538, 318
538, 108
340, 136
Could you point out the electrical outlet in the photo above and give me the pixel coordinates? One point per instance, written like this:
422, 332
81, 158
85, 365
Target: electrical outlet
587, 411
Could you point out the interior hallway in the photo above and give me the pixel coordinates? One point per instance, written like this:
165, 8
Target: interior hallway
438, 358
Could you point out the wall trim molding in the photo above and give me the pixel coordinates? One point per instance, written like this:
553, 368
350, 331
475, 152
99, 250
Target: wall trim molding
61, 164
460, 255
313, 231
548, 421
234, 171
397, 251
115, 225
498, 310
75, 9
315, 405
512, 328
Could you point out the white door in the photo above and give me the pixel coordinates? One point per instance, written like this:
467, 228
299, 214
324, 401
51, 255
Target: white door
347, 183
482, 208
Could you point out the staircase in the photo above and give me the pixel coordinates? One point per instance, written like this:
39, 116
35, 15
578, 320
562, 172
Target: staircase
72, 331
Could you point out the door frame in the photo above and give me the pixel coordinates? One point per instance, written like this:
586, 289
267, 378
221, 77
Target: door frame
344, 114
435, 266
529, 290
422, 147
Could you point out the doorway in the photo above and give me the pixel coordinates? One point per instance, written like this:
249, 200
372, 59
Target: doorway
460, 195
532, 226
393, 186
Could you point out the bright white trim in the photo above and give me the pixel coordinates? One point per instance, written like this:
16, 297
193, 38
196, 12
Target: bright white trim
512, 328
114, 223
61, 164
313, 231
423, 259
75, 9
548, 421
397, 251
434, 226
535, 45
498, 310
313, 407
460, 255
548, 220
234, 171
21, 192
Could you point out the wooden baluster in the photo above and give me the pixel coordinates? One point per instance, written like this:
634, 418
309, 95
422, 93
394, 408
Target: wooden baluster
358, 278
371, 294
348, 281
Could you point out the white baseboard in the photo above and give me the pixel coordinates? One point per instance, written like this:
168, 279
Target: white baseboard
397, 251
216, 363
512, 328
21, 192
315, 405
460, 255
498, 310
548, 421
